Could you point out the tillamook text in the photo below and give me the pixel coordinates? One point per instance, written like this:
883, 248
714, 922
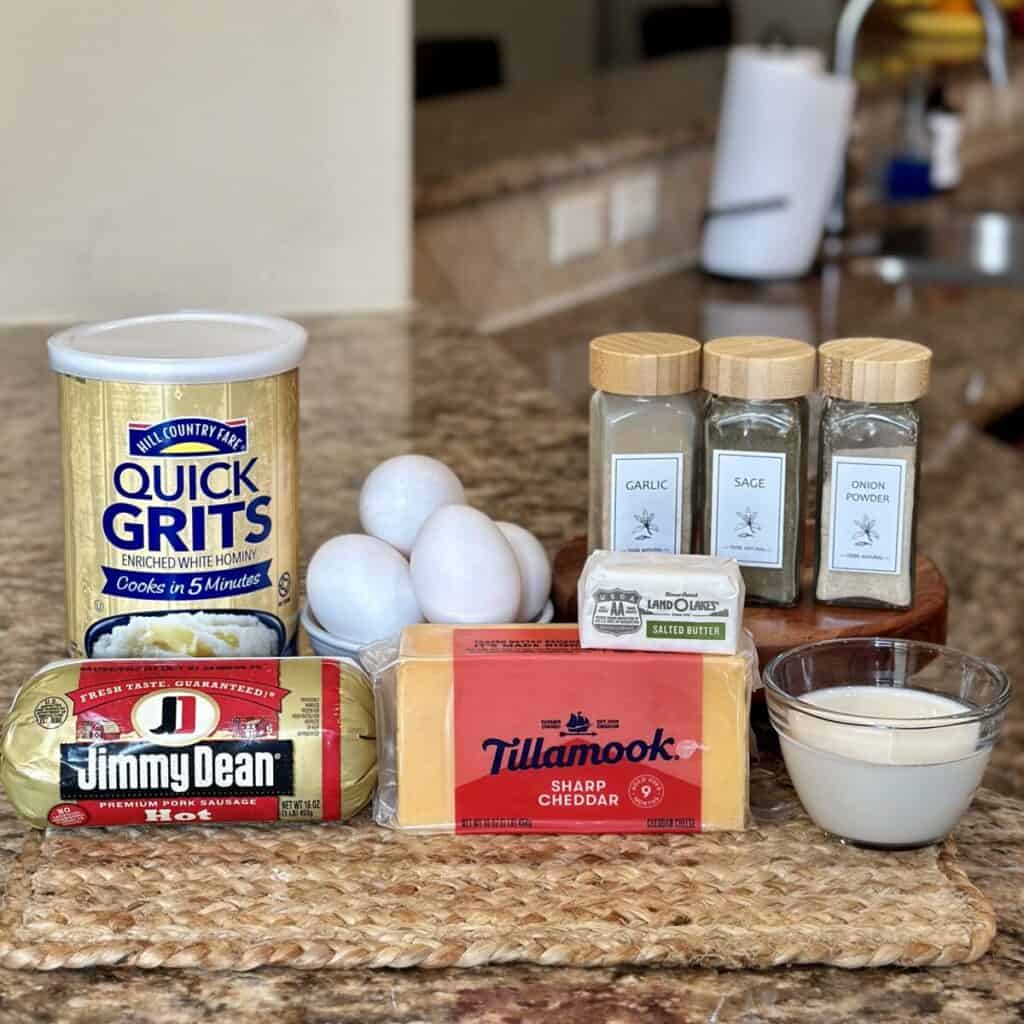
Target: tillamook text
521, 755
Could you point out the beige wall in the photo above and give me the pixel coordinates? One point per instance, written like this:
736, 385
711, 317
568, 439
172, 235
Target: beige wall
249, 154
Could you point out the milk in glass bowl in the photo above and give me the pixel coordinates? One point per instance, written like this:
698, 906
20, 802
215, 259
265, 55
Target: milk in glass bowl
885, 740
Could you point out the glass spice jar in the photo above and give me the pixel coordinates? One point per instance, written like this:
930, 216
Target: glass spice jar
755, 460
870, 458
644, 442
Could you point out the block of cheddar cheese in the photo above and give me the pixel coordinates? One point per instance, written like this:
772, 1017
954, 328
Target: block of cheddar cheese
516, 729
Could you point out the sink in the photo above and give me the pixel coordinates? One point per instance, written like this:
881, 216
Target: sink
1009, 428
982, 248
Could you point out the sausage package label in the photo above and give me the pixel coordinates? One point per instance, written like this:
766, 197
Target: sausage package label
165, 742
517, 729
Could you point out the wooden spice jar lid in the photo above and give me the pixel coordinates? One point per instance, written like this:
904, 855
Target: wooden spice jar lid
644, 363
874, 369
759, 368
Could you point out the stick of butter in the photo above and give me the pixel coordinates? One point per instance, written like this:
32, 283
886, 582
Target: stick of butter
517, 729
650, 601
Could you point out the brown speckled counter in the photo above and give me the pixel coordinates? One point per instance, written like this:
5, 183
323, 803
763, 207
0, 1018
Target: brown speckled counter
972, 490
507, 415
375, 387
476, 146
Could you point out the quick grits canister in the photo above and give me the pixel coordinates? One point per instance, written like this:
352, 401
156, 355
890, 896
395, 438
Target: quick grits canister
179, 439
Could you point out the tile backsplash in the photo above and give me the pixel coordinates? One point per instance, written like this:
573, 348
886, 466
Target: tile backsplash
490, 257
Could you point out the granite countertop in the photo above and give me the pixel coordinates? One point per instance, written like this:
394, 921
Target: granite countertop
378, 386
972, 488
479, 145
508, 415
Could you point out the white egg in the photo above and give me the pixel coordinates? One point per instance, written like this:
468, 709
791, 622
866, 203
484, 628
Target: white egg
401, 493
464, 570
534, 570
360, 589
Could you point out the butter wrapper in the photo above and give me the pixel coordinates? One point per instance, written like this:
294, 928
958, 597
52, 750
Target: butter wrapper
651, 601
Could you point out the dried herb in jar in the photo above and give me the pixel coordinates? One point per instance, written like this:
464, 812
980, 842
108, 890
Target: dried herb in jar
644, 442
868, 472
755, 460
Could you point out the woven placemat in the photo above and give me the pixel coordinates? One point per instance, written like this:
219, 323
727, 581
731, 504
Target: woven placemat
359, 896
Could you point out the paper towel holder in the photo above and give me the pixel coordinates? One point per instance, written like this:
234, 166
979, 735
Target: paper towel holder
747, 206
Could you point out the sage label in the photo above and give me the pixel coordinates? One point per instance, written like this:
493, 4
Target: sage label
646, 502
748, 502
866, 516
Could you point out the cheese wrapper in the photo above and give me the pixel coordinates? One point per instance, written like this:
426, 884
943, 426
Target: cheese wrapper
517, 729
167, 742
651, 601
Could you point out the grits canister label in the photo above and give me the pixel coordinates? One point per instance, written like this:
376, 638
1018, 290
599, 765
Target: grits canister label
646, 502
178, 499
557, 744
867, 522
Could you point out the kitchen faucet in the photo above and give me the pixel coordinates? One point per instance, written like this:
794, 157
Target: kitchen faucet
846, 45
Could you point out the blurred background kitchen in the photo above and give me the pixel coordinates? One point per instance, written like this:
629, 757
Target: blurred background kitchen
506, 180
505, 161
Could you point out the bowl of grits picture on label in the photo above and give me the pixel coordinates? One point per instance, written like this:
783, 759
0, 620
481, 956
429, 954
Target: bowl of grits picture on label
237, 634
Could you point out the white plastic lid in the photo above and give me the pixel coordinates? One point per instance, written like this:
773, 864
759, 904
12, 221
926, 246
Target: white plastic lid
190, 347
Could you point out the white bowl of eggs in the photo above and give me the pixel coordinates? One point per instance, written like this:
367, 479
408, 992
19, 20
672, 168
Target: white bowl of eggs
425, 556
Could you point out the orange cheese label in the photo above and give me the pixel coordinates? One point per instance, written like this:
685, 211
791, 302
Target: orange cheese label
552, 738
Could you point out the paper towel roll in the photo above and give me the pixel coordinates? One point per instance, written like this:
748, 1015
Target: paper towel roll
782, 137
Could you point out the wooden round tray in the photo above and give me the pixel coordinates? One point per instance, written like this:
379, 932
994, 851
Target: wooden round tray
779, 629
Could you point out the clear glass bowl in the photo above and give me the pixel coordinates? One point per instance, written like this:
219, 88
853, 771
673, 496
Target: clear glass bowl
885, 740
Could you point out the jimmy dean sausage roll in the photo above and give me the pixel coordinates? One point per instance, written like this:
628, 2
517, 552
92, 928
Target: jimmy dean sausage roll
163, 742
